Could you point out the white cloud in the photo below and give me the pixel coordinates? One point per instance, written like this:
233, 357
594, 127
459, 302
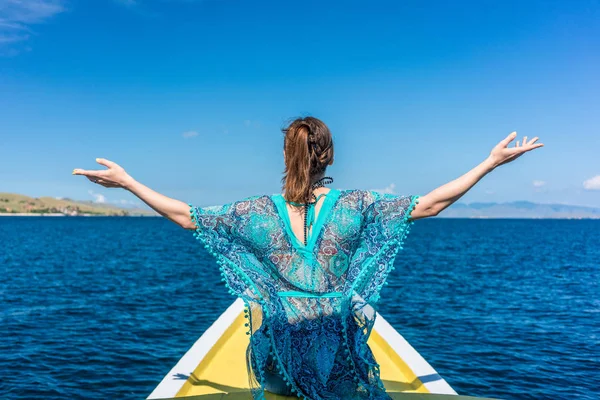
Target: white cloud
16, 17
592, 183
538, 184
98, 198
189, 134
388, 189
19, 12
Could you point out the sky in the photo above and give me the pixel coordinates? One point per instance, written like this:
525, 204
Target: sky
190, 96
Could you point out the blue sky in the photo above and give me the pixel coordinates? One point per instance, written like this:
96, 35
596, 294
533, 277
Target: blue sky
189, 96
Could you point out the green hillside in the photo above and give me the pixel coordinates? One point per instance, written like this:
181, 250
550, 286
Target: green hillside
11, 203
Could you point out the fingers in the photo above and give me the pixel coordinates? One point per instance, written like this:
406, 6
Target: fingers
106, 184
525, 148
95, 174
520, 144
531, 145
504, 154
102, 182
508, 139
94, 180
527, 145
101, 177
106, 162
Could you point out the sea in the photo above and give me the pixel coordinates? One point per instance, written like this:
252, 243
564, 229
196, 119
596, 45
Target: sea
104, 307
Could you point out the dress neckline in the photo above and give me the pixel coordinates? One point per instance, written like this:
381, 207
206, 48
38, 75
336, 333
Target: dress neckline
330, 198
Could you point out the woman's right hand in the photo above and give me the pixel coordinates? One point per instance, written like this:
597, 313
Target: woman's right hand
502, 154
113, 177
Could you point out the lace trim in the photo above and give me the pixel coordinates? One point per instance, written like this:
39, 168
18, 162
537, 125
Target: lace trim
408, 222
363, 274
222, 261
200, 235
399, 240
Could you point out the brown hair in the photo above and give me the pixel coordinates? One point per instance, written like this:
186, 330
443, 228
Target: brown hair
308, 149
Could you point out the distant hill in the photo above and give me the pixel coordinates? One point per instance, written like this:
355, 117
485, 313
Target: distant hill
519, 209
11, 203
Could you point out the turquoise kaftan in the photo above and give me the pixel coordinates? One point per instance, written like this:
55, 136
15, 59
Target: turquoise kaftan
310, 309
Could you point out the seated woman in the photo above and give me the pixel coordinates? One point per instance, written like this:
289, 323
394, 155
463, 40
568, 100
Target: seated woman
310, 263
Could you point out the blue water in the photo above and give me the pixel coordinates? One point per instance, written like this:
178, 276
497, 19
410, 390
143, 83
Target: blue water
104, 307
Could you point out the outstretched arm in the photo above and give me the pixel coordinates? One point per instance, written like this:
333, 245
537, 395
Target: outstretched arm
442, 197
116, 177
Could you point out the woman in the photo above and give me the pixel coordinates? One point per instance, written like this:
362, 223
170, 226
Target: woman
309, 263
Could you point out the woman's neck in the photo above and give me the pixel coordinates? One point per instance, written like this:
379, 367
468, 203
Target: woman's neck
315, 178
319, 190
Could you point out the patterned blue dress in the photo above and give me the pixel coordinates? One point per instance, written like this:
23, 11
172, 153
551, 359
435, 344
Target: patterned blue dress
310, 308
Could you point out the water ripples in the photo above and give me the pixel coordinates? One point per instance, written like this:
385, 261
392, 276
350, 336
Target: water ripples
104, 307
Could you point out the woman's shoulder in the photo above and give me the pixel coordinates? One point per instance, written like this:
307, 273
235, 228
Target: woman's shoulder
257, 201
351, 198
350, 195
351, 192
368, 198
358, 194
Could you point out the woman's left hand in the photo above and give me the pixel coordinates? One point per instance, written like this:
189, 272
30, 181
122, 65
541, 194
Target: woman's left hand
502, 154
113, 177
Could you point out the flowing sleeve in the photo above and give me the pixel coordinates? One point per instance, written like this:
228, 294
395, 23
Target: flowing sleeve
228, 233
386, 222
